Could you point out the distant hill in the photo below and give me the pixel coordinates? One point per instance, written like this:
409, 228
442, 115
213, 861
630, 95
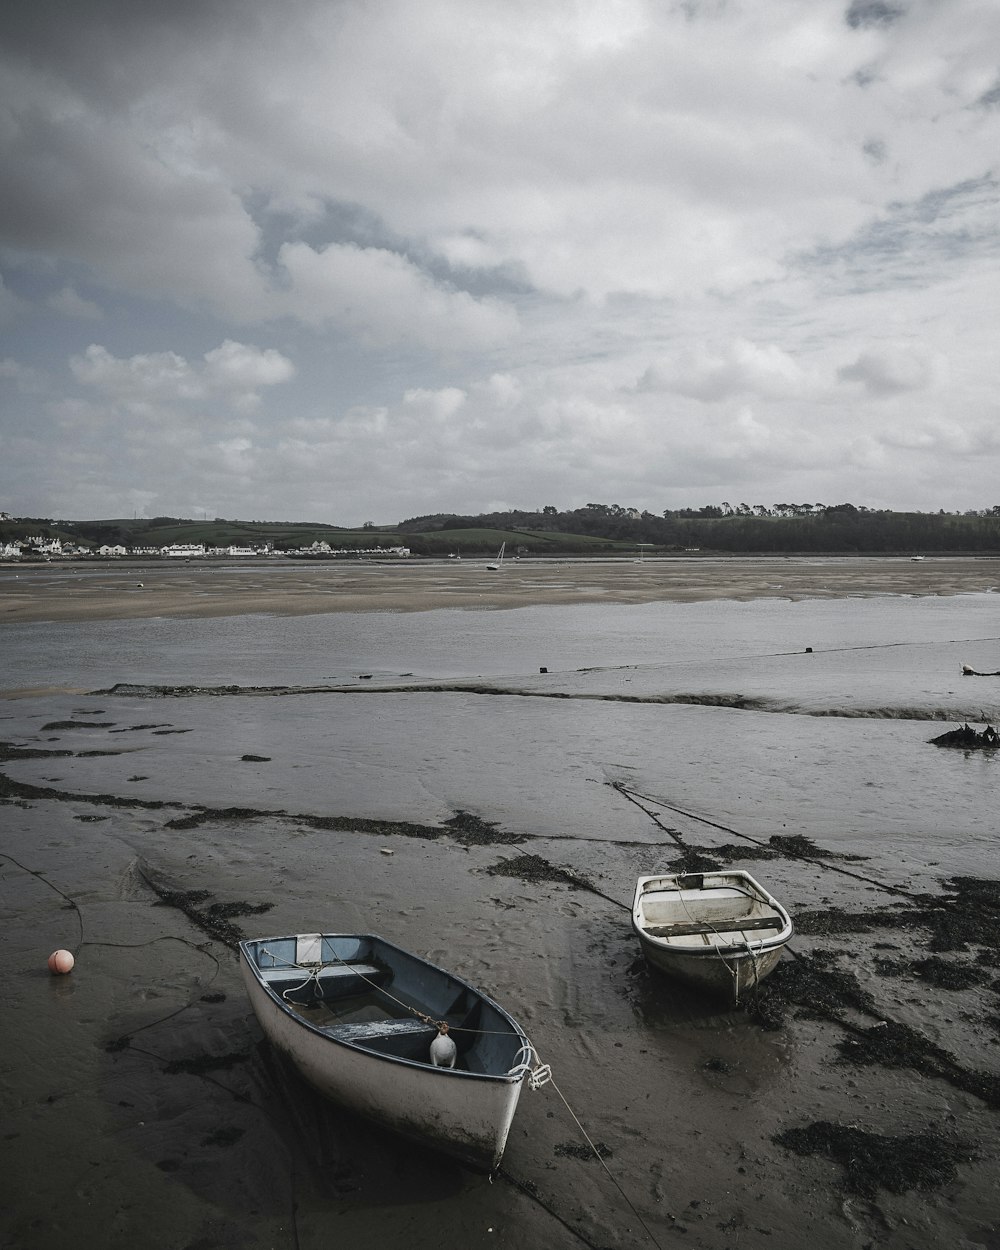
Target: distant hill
593, 529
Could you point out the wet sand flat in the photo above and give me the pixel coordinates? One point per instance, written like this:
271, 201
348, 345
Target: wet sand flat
497, 826
107, 592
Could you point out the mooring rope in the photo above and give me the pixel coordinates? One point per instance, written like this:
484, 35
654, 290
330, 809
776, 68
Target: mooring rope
71, 903
600, 1160
527, 1062
809, 859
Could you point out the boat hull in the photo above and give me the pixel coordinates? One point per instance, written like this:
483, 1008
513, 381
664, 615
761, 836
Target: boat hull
466, 1115
721, 932
730, 974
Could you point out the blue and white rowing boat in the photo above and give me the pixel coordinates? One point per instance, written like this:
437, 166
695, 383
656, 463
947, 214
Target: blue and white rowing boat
358, 1016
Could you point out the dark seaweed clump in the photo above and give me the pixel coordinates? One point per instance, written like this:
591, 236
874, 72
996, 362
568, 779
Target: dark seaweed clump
805, 848
779, 846
893, 1045
216, 920
872, 1161
695, 859
533, 868
946, 974
571, 1150
967, 915
471, 830
834, 920
810, 984
968, 739
200, 1064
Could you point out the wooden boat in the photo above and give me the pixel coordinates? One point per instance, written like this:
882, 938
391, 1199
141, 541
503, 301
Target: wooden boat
357, 1016
720, 931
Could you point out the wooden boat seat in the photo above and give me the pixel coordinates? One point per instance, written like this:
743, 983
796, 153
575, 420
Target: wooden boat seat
732, 924
369, 1031
295, 976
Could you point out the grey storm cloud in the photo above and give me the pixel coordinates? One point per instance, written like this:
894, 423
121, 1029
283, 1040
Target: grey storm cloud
341, 260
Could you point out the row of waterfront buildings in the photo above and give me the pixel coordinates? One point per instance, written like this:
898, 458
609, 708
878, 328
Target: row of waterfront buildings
34, 548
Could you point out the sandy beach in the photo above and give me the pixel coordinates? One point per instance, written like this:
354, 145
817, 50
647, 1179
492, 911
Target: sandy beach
117, 591
479, 771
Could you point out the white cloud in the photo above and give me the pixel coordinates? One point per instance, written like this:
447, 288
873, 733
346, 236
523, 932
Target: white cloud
26, 379
235, 371
739, 367
889, 371
240, 371
140, 379
439, 406
71, 303
384, 298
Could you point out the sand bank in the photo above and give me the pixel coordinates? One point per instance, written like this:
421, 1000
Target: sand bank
118, 592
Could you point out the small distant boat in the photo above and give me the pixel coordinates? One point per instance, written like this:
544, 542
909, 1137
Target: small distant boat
916, 559
499, 563
358, 1016
720, 931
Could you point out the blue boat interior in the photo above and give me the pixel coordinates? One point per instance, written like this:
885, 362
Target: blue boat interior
368, 993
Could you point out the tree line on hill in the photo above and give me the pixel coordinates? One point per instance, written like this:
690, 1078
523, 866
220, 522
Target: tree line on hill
778, 528
744, 528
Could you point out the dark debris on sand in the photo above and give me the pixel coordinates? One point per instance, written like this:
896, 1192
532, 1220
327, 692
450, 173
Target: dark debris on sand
465, 828
967, 914
200, 1064
894, 1045
216, 919
573, 1150
873, 1161
948, 974
811, 984
471, 830
968, 739
778, 846
535, 869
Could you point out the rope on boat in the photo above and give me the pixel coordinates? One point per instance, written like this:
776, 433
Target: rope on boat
732, 969
314, 971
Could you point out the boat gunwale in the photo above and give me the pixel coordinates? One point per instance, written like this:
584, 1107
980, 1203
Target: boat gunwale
356, 1047
744, 949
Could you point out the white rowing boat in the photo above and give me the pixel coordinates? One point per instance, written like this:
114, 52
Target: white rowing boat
720, 931
358, 1015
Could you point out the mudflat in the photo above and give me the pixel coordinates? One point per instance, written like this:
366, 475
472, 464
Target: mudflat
65, 592
271, 774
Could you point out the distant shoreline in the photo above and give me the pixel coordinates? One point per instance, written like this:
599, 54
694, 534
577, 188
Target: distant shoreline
102, 590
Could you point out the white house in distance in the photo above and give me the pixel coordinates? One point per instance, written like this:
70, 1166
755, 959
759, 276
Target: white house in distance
38, 548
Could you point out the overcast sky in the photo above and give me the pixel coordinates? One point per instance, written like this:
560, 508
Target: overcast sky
350, 260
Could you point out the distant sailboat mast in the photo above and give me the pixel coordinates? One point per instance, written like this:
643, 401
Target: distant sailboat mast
499, 563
